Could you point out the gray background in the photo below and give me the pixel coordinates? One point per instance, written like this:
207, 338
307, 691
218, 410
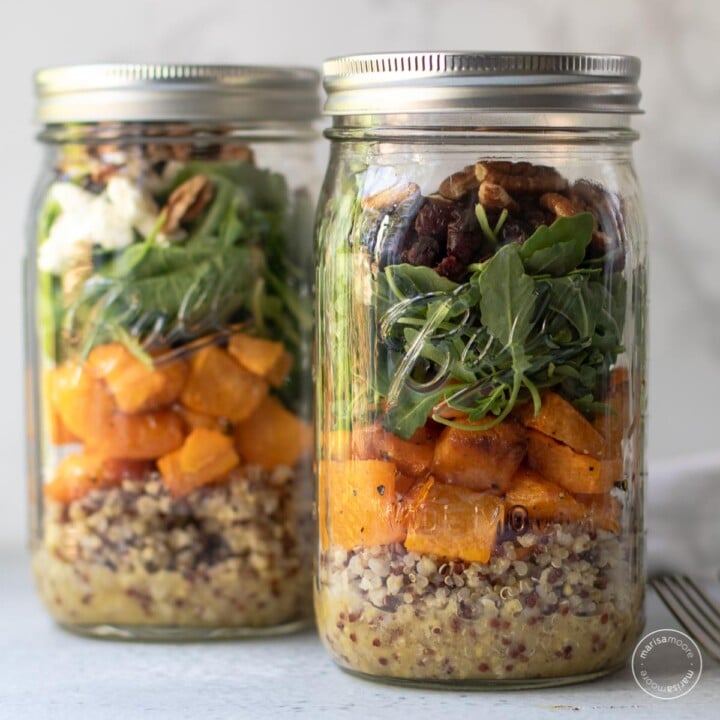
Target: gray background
678, 158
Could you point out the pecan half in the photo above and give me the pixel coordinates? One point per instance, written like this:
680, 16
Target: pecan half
187, 201
236, 153
559, 204
459, 183
520, 177
492, 195
391, 197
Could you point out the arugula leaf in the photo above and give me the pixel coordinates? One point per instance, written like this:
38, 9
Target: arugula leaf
506, 297
560, 248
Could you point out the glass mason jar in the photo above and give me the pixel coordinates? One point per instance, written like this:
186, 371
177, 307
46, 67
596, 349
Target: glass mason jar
169, 321
480, 369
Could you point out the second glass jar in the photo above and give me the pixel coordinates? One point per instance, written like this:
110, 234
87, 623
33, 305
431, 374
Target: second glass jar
169, 317
480, 381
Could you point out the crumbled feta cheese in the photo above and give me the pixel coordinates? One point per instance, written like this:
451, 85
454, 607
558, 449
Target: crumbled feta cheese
86, 219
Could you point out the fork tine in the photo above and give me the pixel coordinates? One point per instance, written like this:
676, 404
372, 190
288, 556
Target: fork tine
687, 595
703, 602
685, 612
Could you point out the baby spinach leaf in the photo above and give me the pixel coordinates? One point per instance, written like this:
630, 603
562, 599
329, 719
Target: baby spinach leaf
412, 280
560, 248
506, 297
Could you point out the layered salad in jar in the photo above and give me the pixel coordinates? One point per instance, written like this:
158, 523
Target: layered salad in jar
477, 494
171, 323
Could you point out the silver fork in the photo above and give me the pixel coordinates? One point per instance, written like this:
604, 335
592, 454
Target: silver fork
694, 609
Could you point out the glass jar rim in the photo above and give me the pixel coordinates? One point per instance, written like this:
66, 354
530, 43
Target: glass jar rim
176, 92
446, 82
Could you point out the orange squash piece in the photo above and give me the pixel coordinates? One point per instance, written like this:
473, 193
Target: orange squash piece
602, 511
454, 522
575, 472
60, 434
559, 420
480, 459
277, 375
542, 499
199, 420
357, 504
257, 355
135, 386
273, 436
81, 401
265, 358
205, 457
138, 437
413, 457
615, 423
76, 475
220, 387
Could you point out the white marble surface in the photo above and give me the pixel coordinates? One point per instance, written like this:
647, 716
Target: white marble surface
678, 157
47, 673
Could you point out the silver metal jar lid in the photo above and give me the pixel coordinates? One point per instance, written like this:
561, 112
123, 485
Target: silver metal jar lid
450, 82
124, 93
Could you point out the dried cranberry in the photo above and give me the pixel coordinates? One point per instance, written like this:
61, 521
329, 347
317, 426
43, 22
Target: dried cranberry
451, 268
425, 251
465, 246
512, 232
433, 218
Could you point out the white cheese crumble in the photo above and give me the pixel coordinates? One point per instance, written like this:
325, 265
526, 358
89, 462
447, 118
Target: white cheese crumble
86, 219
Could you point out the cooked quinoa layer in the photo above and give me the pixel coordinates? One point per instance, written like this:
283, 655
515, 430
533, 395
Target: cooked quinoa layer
564, 609
230, 555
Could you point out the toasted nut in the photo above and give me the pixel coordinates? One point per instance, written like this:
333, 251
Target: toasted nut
459, 183
495, 196
236, 153
187, 201
390, 197
521, 177
559, 204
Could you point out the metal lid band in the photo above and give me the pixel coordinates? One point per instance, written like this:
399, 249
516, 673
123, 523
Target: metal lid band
181, 93
452, 82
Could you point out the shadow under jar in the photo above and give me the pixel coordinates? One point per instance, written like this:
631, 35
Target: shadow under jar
169, 319
481, 369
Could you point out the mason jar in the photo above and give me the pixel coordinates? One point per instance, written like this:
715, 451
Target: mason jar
169, 320
480, 404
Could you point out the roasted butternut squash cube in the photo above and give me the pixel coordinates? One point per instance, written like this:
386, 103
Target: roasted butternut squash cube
543, 499
255, 354
559, 420
412, 457
60, 434
277, 375
135, 386
575, 472
454, 522
357, 503
273, 436
265, 358
616, 421
76, 475
220, 387
480, 459
81, 401
602, 511
199, 420
138, 437
205, 457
